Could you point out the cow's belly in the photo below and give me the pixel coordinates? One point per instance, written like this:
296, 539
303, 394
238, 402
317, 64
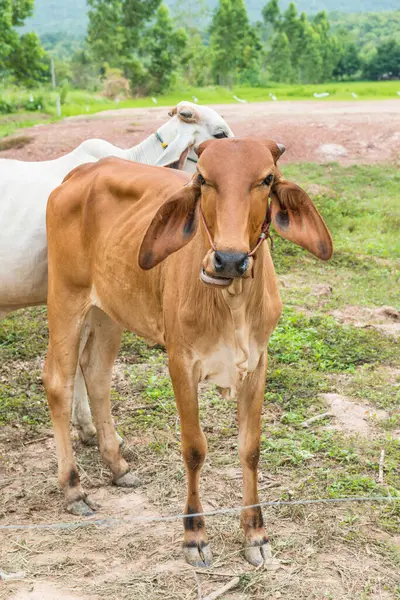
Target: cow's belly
23, 258
24, 191
23, 244
228, 364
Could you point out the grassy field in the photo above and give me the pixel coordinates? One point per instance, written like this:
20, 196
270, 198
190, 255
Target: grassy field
81, 102
335, 552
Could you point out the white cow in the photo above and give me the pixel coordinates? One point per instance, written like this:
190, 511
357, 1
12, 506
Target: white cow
26, 186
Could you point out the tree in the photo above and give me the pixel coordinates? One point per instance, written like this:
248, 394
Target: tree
118, 37
330, 48
280, 59
271, 15
8, 37
192, 15
385, 63
294, 27
28, 61
349, 62
84, 72
105, 31
310, 62
198, 71
20, 56
115, 28
233, 41
21, 9
164, 49
136, 13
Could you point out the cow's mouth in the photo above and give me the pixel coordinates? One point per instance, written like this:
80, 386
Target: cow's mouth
213, 280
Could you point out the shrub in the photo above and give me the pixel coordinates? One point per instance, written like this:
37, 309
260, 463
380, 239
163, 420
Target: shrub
63, 94
6, 108
34, 103
115, 84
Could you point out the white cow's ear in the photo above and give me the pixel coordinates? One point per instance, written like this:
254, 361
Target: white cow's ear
188, 113
174, 153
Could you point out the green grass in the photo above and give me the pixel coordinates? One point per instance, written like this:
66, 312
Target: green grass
361, 208
80, 102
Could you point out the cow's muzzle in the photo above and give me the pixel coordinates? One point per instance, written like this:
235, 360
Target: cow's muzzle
220, 268
231, 264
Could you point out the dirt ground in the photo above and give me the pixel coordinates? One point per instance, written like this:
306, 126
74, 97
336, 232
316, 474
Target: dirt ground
326, 552
346, 132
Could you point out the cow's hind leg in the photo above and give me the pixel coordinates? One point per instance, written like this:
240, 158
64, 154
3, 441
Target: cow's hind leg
194, 447
249, 414
81, 415
65, 324
96, 361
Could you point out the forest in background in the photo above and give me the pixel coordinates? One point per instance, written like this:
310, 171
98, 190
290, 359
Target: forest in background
141, 47
71, 17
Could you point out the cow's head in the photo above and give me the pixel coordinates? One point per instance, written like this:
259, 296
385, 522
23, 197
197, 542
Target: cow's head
229, 195
189, 126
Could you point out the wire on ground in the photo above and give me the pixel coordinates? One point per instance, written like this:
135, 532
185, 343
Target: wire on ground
115, 522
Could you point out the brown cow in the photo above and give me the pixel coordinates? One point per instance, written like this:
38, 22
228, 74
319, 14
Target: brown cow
126, 251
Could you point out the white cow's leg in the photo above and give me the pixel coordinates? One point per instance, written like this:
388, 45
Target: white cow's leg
97, 361
81, 415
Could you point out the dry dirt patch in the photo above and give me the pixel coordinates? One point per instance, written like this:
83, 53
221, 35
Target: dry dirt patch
351, 416
385, 318
43, 591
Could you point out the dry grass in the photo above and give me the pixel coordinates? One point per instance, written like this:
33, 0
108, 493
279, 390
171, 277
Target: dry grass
16, 141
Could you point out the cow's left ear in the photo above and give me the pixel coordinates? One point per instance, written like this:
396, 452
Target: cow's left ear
295, 218
172, 227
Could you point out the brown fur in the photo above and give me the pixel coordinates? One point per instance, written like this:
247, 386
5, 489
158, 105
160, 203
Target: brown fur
109, 218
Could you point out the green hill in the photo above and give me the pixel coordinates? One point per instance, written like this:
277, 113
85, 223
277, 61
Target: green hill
53, 16
367, 29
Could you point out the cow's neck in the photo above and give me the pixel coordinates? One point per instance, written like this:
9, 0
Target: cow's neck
147, 152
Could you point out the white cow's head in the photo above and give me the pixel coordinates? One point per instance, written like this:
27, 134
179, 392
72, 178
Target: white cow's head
189, 126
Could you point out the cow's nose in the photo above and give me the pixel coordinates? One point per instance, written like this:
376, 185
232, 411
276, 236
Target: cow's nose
231, 264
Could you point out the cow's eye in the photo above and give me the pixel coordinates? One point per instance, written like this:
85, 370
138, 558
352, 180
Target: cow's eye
201, 179
220, 135
268, 180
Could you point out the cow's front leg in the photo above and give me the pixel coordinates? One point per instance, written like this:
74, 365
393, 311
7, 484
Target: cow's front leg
194, 447
251, 397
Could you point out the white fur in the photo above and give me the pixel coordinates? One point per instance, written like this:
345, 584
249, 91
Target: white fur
26, 186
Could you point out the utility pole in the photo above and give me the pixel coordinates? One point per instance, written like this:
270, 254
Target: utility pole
53, 82
53, 73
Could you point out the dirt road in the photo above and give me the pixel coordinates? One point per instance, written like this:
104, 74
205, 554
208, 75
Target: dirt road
346, 132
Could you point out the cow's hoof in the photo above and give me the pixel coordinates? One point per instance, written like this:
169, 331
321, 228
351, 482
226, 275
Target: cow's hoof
129, 480
87, 435
198, 555
256, 555
82, 508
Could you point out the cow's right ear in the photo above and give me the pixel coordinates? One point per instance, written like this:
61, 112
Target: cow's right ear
172, 227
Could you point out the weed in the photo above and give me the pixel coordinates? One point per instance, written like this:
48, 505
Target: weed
18, 141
